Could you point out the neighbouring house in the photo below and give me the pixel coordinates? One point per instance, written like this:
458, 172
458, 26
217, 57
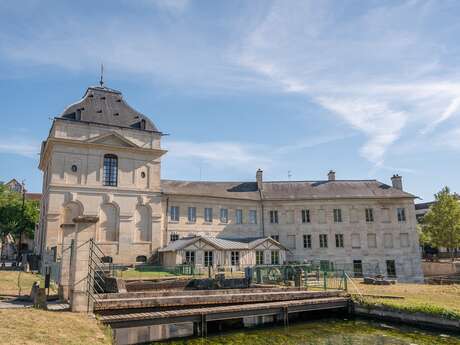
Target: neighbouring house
102, 165
218, 252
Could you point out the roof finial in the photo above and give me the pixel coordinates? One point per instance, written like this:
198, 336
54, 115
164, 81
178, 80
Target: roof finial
102, 75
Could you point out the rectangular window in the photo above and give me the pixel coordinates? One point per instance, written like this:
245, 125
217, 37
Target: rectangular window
259, 257
337, 215
252, 216
110, 171
385, 214
391, 268
371, 240
388, 240
339, 240
401, 214
224, 215
369, 215
323, 241
355, 241
307, 241
404, 240
357, 268
305, 216
239, 216
190, 257
235, 256
275, 257
275, 237
192, 214
173, 237
208, 258
291, 241
174, 213
274, 216
208, 215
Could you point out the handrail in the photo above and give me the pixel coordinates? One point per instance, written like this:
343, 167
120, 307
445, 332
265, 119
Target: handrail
96, 273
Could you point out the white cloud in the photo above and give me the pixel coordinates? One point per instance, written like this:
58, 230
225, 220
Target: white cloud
20, 146
378, 69
220, 154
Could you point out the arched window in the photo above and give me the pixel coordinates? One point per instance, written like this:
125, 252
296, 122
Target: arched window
110, 170
141, 258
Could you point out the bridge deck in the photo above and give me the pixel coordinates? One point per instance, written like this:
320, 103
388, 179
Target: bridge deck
281, 308
180, 299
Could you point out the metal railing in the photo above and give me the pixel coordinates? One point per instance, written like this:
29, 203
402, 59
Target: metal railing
300, 275
98, 271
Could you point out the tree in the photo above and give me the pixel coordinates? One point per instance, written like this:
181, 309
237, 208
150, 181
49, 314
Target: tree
14, 217
441, 224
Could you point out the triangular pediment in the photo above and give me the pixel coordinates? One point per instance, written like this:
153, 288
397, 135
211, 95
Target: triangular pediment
112, 139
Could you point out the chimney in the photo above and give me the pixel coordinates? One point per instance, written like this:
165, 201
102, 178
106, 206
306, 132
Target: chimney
259, 178
396, 181
331, 175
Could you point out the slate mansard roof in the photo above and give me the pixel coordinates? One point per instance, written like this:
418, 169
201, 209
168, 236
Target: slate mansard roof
285, 190
106, 106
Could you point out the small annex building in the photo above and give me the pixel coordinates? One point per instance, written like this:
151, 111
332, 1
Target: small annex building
218, 252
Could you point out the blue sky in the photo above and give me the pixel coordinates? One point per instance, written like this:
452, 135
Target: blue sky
367, 88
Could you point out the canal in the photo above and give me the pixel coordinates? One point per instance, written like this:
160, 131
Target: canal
326, 331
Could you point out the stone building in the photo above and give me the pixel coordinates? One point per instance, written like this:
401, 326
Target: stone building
102, 165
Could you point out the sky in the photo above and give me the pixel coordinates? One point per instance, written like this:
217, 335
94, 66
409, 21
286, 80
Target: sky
296, 88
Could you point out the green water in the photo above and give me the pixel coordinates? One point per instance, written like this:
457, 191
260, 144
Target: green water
328, 332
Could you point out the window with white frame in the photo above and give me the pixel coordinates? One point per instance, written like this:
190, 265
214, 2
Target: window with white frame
307, 241
239, 216
192, 214
401, 214
190, 257
224, 215
208, 215
275, 237
174, 213
208, 258
252, 216
369, 215
323, 241
259, 257
235, 258
305, 216
275, 256
339, 240
173, 237
337, 215
273, 216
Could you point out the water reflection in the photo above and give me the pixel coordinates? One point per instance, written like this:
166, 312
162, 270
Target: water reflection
145, 334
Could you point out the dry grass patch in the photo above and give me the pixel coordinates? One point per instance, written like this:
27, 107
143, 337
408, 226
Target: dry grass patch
9, 282
37, 327
434, 299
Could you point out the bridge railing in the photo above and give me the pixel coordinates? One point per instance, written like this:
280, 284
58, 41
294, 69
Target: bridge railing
300, 275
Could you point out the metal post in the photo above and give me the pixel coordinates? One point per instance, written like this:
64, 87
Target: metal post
345, 281
325, 279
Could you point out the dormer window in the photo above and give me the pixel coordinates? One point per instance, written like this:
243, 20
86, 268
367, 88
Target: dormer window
110, 170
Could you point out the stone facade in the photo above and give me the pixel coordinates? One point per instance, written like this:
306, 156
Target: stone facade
136, 213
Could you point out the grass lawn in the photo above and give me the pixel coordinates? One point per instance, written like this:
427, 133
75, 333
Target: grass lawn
131, 274
36, 327
441, 300
9, 283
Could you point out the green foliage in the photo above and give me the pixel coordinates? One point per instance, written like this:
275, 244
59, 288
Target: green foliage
441, 225
13, 217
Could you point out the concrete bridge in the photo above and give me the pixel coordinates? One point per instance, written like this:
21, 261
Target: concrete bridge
202, 306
